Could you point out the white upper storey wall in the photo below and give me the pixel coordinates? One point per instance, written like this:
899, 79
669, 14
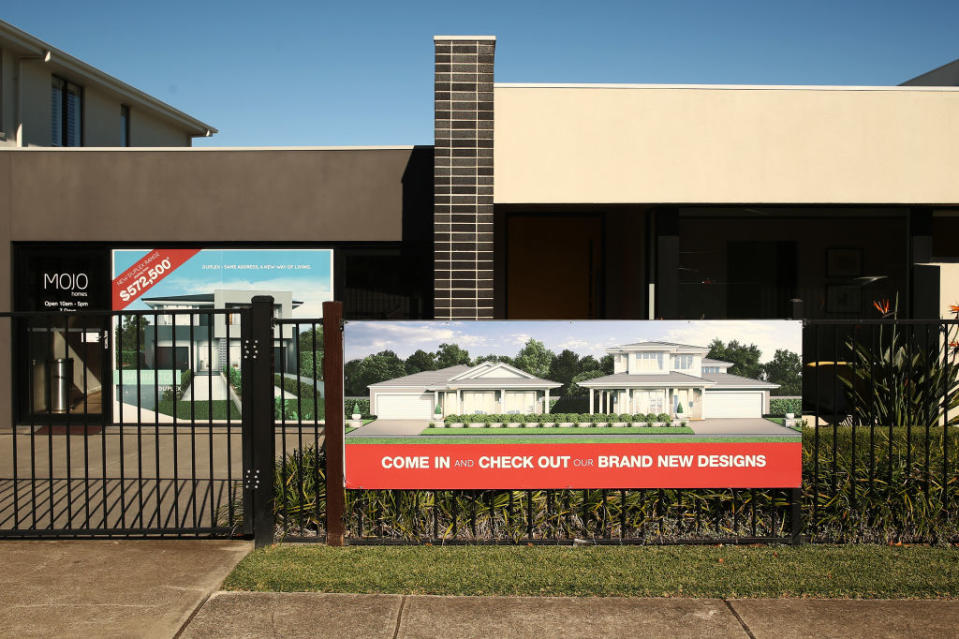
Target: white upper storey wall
584, 144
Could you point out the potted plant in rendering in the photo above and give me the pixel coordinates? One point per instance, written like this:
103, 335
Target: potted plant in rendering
438, 417
679, 414
355, 415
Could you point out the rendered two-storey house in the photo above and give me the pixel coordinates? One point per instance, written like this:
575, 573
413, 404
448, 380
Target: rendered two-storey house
658, 377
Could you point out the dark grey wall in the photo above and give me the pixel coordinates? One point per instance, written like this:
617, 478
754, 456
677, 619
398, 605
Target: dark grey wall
203, 196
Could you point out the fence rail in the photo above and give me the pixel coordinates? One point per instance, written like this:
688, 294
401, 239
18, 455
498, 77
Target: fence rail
878, 466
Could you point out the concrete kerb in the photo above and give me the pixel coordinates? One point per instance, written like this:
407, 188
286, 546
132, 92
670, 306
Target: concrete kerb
250, 614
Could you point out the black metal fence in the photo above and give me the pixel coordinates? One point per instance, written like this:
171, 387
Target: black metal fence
212, 423
126, 423
879, 409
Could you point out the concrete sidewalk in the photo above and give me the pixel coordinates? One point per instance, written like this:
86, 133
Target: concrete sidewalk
109, 588
238, 615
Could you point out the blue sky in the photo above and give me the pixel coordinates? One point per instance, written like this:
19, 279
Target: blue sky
584, 338
310, 281
360, 73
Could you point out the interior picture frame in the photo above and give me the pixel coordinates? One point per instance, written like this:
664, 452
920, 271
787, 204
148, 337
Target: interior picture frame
843, 298
843, 262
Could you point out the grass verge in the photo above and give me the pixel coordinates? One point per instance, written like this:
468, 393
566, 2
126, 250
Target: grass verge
537, 430
917, 572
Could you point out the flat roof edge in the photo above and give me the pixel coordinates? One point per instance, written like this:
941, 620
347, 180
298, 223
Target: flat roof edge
180, 149
463, 37
720, 87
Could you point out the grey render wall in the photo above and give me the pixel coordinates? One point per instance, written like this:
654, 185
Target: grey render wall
463, 177
201, 196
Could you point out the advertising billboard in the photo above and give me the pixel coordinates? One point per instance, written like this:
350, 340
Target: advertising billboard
581, 404
170, 364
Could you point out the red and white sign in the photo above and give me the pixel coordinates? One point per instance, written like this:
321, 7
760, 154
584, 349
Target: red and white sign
573, 465
139, 278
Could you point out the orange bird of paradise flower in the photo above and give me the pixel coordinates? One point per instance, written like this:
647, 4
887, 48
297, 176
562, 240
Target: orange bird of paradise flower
954, 308
882, 306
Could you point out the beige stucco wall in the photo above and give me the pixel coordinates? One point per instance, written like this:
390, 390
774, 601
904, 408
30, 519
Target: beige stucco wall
101, 119
148, 130
586, 144
35, 103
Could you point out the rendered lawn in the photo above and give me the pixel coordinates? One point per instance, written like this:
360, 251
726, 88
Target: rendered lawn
561, 438
669, 571
201, 409
541, 430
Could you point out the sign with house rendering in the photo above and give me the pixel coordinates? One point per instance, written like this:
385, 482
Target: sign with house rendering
165, 358
573, 404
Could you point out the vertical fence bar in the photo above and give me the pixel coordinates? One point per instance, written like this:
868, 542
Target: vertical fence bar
139, 421
333, 382
946, 391
191, 365
231, 508
156, 419
210, 370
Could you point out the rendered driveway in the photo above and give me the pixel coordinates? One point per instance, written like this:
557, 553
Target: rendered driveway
739, 427
390, 428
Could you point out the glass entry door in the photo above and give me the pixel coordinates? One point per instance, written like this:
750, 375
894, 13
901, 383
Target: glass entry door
64, 364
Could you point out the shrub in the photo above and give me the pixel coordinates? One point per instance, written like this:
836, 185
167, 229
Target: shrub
309, 406
598, 418
360, 405
663, 417
779, 406
624, 417
679, 408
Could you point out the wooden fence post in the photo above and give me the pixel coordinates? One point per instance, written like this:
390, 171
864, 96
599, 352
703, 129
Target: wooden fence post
333, 432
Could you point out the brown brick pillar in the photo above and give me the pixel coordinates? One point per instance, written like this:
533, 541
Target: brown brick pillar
463, 177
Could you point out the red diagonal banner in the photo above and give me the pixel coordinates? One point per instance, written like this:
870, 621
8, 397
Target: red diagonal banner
139, 278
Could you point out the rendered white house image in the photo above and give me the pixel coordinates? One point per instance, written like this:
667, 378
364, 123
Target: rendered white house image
658, 377
210, 351
487, 388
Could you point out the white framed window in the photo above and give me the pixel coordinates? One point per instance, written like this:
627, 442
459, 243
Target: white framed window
66, 113
682, 361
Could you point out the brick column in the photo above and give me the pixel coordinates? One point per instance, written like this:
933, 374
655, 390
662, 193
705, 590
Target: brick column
463, 177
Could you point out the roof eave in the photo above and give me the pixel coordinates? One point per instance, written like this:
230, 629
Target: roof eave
135, 97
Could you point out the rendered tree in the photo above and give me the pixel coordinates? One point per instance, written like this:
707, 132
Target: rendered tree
420, 361
785, 369
534, 358
450, 355
745, 359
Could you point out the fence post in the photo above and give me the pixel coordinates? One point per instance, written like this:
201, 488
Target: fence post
258, 479
333, 431
795, 515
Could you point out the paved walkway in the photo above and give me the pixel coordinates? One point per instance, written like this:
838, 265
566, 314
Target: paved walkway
109, 588
292, 615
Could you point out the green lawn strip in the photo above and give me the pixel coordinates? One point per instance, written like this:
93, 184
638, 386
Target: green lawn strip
536, 430
867, 572
570, 439
201, 409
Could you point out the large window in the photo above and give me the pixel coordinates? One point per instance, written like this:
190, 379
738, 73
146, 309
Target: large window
66, 113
